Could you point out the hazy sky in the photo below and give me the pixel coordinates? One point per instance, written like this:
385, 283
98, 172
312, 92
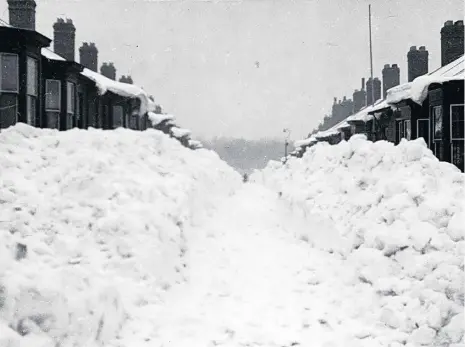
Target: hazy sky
250, 68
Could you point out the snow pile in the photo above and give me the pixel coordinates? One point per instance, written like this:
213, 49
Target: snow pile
399, 215
180, 132
92, 229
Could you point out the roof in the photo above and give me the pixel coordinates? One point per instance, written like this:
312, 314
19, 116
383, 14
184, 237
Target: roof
180, 132
105, 84
305, 142
364, 114
417, 90
158, 118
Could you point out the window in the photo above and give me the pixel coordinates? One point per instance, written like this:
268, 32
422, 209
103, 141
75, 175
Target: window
52, 103
32, 90
457, 122
407, 130
9, 85
70, 104
437, 122
423, 130
9, 73
118, 114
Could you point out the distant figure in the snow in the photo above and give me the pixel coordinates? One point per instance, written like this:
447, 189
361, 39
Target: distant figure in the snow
245, 178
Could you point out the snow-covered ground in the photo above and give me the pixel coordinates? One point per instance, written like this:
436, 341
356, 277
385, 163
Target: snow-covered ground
134, 240
92, 228
399, 219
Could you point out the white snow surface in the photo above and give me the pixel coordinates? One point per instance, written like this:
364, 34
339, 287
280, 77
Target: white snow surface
180, 132
105, 84
363, 115
417, 90
134, 240
158, 118
398, 219
103, 215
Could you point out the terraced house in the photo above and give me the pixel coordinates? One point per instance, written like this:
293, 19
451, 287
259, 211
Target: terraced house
50, 89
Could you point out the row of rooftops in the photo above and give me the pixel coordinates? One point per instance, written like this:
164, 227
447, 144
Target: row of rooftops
415, 90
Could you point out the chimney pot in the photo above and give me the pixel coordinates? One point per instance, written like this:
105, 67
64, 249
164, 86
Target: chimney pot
448, 23
363, 83
422, 48
413, 48
386, 66
395, 66
459, 23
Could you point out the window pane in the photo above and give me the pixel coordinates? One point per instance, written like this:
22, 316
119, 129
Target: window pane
437, 117
458, 122
71, 90
53, 120
52, 95
9, 72
407, 128
31, 110
8, 106
32, 76
117, 116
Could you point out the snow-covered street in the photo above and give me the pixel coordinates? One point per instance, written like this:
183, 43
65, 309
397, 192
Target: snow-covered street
252, 282
141, 242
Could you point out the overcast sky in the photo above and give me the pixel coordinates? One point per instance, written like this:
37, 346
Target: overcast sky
250, 68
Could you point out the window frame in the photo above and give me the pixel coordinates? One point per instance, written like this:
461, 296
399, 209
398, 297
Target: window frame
451, 121
59, 96
31, 98
409, 127
2, 54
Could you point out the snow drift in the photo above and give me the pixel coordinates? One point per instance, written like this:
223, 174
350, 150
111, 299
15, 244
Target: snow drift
92, 229
399, 215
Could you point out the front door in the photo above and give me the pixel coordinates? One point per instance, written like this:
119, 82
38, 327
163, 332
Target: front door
423, 130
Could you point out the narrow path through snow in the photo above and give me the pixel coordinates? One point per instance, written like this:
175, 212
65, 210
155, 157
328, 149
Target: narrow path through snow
251, 281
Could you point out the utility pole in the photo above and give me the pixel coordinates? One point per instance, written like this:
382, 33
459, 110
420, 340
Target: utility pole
371, 58
286, 141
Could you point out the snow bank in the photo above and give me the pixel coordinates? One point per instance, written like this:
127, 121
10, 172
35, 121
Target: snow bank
92, 229
400, 215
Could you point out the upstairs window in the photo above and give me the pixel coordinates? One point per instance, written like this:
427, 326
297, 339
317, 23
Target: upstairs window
9, 85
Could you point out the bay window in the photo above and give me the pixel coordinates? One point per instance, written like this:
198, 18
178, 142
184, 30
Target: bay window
70, 104
32, 90
53, 103
9, 87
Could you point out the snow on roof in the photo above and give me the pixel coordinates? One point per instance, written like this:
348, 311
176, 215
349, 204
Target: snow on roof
304, 142
105, 84
158, 118
180, 132
417, 90
363, 114
195, 143
51, 55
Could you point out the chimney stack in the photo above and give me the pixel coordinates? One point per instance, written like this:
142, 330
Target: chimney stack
126, 79
108, 70
373, 90
452, 46
64, 38
22, 14
391, 77
88, 54
417, 62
